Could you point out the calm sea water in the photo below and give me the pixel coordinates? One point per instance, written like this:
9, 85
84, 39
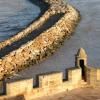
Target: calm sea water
16, 14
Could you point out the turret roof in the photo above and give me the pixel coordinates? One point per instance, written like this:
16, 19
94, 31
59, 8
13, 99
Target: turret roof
81, 53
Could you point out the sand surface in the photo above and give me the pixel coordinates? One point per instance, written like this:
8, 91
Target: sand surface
77, 94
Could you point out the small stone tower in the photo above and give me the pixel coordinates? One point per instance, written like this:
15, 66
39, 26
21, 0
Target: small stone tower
81, 58
81, 62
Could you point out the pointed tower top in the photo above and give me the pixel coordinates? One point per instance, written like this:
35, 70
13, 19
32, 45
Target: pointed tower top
81, 53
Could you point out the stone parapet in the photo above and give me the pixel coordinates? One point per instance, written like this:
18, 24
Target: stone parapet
48, 84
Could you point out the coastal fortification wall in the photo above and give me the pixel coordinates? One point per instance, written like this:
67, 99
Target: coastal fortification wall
53, 82
42, 46
93, 76
50, 83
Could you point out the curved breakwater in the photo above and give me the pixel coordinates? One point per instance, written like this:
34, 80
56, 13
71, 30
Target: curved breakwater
45, 44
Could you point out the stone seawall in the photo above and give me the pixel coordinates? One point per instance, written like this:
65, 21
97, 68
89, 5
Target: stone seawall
48, 84
52, 83
93, 76
42, 46
35, 25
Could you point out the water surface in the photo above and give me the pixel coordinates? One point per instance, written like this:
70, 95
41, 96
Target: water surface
15, 15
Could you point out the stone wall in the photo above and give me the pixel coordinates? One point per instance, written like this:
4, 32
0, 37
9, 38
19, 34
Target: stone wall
50, 83
98, 74
93, 76
73, 77
19, 87
42, 46
35, 25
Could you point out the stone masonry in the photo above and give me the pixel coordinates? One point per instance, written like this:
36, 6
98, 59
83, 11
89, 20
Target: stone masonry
52, 83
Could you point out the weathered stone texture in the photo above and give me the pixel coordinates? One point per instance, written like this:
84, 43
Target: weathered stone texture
98, 74
19, 87
53, 1
52, 83
93, 76
74, 75
49, 83
90, 75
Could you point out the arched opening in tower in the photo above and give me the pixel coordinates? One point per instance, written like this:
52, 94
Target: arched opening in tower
81, 62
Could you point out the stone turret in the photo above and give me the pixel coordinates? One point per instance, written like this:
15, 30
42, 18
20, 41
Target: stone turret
81, 58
